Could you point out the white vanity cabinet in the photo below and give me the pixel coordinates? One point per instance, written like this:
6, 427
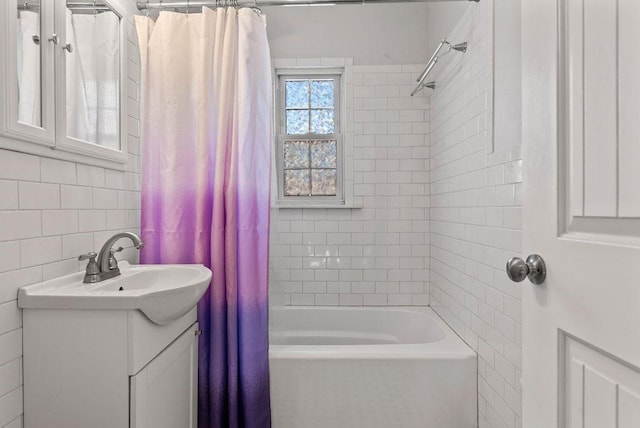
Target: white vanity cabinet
109, 368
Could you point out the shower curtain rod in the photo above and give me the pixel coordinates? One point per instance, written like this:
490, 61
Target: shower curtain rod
183, 4
86, 5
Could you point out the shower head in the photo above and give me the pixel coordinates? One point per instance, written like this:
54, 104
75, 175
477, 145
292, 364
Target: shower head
460, 47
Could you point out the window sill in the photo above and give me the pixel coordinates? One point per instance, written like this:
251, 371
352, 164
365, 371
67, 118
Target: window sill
317, 206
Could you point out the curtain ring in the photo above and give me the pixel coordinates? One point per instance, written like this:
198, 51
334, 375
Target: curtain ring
187, 8
255, 8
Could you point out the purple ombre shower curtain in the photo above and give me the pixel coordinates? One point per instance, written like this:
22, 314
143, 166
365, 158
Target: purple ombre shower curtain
206, 102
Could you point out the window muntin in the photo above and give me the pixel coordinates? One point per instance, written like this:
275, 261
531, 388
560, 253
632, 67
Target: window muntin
309, 143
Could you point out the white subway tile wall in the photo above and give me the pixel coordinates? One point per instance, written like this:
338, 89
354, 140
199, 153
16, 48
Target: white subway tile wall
475, 221
376, 255
51, 211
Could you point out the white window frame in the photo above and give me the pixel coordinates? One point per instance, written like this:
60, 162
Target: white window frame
281, 136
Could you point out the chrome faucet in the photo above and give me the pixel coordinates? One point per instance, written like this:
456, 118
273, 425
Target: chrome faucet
107, 266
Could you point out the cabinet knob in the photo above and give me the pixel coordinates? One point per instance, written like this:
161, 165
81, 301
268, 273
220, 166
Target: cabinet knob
198, 332
68, 47
53, 39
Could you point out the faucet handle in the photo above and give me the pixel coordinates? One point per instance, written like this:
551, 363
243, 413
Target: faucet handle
92, 267
113, 262
90, 256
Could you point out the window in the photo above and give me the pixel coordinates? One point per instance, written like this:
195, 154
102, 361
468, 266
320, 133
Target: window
309, 140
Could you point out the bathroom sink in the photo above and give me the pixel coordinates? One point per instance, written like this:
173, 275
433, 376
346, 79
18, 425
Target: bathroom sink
162, 292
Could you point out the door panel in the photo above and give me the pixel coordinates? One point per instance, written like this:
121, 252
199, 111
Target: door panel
600, 389
599, 71
629, 149
599, 100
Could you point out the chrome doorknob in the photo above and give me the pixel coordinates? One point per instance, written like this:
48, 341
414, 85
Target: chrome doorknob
534, 268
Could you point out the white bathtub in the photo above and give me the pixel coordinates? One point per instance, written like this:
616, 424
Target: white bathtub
335, 367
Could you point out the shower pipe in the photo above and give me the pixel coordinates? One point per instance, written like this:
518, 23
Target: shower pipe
173, 4
460, 47
432, 62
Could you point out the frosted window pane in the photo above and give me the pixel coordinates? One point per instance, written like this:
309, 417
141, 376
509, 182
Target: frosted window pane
297, 122
323, 154
321, 93
322, 121
296, 154
296, 182
323, 182
297, 94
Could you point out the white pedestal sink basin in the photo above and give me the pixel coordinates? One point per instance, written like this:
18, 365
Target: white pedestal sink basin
162, 292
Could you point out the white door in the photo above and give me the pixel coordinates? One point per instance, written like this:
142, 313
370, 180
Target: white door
164, 393
581, 140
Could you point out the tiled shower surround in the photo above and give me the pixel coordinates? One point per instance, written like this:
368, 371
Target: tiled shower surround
376, 254
440, 215
475, 221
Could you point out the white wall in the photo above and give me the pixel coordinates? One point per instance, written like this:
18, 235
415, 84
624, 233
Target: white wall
51, 211
475, 215
370, 34
442, 17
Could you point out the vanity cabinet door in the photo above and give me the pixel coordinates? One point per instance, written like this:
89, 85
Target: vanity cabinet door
164, 393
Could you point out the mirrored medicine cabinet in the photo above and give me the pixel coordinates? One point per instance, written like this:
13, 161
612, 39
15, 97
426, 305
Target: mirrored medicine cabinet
64, 79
